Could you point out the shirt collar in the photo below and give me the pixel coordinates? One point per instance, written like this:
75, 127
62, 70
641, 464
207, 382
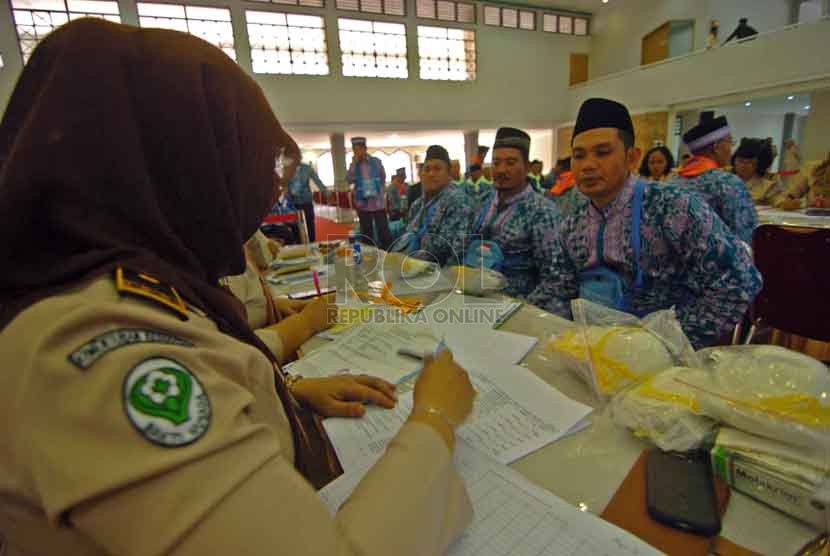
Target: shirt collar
617, 205
438, 195
524, 193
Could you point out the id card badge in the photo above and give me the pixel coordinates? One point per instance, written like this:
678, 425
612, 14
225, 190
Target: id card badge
371, 188
487, 254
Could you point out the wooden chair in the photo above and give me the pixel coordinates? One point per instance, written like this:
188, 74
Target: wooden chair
795, 265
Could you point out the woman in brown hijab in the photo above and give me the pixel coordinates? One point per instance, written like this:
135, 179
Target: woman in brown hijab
137, 409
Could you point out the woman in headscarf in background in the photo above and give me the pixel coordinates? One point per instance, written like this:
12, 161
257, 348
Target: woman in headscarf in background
139, 412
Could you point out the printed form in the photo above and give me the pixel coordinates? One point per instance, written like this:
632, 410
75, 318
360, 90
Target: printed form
512, 516
514, 414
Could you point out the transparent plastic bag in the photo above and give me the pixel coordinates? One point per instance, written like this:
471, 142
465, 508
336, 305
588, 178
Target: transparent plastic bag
610, 349
768, 391
664, 410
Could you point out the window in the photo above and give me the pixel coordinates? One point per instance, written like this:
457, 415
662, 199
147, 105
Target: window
34, 19
564, 24
388, 7
511, 18
210, 24
287, 43
465, 13
447, 54
527, 20
446, 10
373, 48
550, 23
492, 16
304, 3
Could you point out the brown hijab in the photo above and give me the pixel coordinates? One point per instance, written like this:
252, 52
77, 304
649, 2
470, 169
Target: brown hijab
138, 147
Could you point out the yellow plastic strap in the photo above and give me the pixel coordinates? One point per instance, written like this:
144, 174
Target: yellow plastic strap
799, 407
611, 374
647, 390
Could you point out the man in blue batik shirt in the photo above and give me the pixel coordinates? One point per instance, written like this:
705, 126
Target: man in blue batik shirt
639, 246
369, 194
711, 145
517, 229
299, 193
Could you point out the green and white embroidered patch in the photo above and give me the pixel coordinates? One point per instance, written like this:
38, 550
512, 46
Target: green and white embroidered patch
166, 403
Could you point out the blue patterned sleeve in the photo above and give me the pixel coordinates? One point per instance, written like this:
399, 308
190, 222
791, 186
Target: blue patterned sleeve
448, 242
739, 209
316, 179
381, 171
351, 173
558, 283
718, 268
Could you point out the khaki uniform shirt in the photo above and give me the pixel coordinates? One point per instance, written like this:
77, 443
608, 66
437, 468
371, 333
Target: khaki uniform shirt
129, 431
765, 190
247, 288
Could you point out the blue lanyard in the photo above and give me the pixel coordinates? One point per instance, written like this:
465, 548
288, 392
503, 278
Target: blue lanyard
415, 242
636, 219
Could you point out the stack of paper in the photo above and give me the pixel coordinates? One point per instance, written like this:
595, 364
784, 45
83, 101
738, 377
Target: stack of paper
370, 349
514, 414
513, 516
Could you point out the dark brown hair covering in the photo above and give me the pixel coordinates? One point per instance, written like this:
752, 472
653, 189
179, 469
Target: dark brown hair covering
149, 149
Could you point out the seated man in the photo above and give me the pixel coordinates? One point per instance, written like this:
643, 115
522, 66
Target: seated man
564, 191
439, 220
477, 186
640, 247
535, 176
517, 227
711, 145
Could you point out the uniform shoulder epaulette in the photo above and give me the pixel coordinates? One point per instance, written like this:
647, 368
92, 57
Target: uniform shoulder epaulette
144, 286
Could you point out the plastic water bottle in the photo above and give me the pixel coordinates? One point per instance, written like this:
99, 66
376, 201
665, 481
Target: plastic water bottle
356, 278
357, 255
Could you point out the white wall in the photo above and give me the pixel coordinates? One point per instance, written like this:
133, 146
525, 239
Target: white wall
618, 28
522, 80
787, 59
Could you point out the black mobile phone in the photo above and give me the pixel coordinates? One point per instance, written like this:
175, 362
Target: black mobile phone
680, 492
308, 294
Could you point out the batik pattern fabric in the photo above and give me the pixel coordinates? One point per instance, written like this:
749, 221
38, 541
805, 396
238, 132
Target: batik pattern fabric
536, 183
478, 189
728, 196
442, 225
395, 201
299, 187
369, 179
569, 201
526, 229
690, 260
